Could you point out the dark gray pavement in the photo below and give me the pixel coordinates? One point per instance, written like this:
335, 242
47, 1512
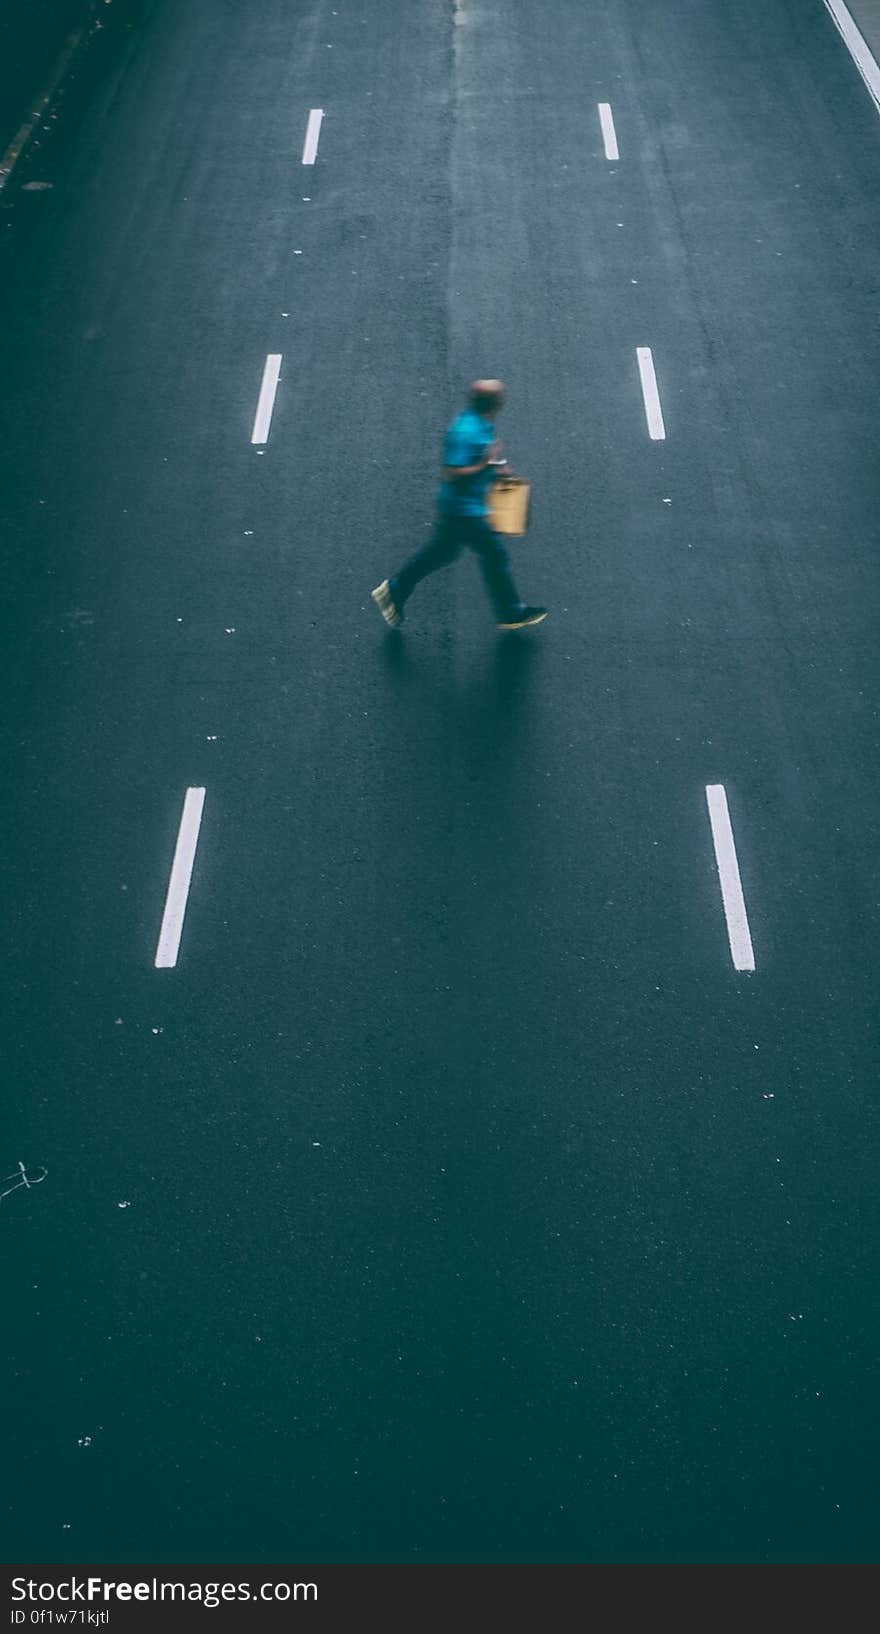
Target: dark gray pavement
476, 1208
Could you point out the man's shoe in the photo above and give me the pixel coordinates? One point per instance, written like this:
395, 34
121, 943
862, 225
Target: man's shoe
389, 609
525, 616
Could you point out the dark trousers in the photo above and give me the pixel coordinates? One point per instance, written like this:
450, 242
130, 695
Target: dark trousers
446, 544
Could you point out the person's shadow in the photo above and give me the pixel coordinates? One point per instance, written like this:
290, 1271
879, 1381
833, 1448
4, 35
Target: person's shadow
488, 714
495, 719
476, 731
493, 706
465, 772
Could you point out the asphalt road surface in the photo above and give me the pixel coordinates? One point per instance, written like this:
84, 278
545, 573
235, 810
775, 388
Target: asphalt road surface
453, 1190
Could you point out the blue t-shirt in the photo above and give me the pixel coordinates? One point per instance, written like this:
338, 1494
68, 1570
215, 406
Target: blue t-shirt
466, 441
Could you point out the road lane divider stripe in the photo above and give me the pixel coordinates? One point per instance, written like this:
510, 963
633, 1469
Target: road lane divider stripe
266, 400
858, 48
653, 411
609, 134
168, 945
313, 131
738, 933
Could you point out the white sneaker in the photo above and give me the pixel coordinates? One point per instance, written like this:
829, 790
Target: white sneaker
387, 607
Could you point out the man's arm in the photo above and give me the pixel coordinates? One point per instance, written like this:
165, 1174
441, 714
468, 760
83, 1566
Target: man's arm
454, 473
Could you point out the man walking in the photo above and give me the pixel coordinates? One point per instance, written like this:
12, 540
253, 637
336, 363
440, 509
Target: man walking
469, 450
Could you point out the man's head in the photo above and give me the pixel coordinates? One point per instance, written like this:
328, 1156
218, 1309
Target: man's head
486, 396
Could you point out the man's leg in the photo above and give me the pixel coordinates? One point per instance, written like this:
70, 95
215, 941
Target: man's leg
490, 549
442, 548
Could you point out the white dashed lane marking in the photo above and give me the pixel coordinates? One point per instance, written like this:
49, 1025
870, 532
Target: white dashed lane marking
168, 945
266, 402
738, 933
313, 131
653, 411
609, 135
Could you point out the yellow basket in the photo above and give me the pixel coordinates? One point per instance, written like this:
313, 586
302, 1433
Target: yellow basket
509, 504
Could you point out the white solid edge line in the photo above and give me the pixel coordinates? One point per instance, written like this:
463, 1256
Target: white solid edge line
653, 411
857, 47
168, 945
609, 135
728, 873
266, 400
313, 131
